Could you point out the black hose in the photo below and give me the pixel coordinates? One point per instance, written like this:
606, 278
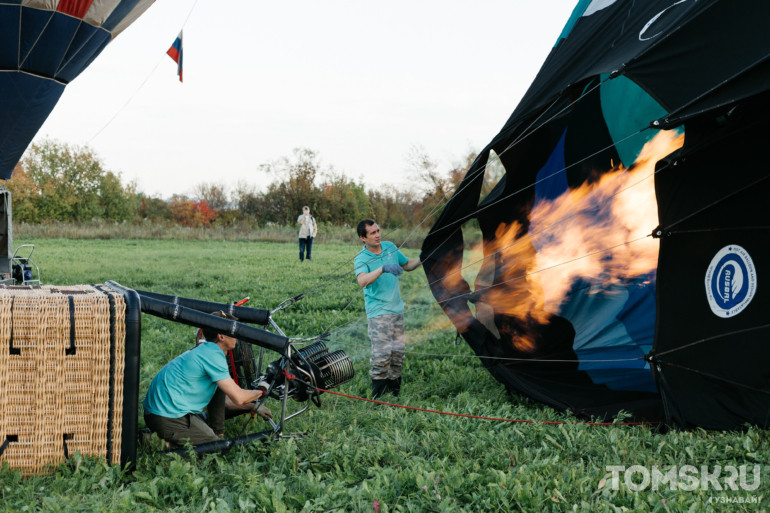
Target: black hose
243, 313
198, 319
224, 445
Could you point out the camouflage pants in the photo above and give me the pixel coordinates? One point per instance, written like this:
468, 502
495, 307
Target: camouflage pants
387, 335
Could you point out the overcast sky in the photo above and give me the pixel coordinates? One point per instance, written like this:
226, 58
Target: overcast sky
358, 82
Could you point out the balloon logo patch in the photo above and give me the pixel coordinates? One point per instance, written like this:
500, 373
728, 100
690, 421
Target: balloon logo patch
731, 281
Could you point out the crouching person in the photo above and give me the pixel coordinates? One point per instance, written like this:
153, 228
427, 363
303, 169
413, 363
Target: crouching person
194, 380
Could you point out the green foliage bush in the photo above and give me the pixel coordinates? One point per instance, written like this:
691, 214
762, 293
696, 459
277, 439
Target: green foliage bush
56, 181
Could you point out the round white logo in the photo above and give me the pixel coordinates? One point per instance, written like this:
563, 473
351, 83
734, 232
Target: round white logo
731, 281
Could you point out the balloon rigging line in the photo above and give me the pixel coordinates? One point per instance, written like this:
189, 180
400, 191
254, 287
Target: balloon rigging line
510, 195
564, 218
662, 168
556, 222
716, 202
147, 78
329, 277
354, 294
524, 135
663, 353
438, 204
328, 329
726, 228
480, 417
189, 14
584, 94
525, 275
711, 339
742, 128
323, 281
704, 94
540, 360
521, 137
515, 278
481, 172
120, 110
537, 234
533, 184
565, 263
718, 378
19, 60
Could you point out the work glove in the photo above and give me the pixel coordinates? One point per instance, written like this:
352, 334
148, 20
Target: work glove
262, 385
263, 411
393, 269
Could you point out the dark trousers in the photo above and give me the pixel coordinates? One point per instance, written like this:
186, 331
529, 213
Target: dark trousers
305, 244
191, 427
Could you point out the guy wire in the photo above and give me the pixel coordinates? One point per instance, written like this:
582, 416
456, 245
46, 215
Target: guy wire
130, 98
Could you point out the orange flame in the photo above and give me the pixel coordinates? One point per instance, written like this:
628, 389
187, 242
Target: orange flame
598, 231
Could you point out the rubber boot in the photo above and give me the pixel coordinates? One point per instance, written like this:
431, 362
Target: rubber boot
378, 387
394, 386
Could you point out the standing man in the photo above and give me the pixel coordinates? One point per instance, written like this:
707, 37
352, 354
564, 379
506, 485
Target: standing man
307, 232
377, 268
189, 383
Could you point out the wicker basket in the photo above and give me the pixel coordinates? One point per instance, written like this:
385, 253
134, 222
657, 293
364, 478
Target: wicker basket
62, 358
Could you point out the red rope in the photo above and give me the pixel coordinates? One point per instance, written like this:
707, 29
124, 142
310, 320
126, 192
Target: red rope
491, 418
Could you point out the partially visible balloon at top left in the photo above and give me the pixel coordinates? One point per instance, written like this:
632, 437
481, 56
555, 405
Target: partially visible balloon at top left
45, 44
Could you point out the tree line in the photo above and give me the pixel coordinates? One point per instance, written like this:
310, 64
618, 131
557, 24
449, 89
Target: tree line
57, 181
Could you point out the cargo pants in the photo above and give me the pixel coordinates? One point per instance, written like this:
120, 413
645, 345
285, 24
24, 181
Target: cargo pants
386, 332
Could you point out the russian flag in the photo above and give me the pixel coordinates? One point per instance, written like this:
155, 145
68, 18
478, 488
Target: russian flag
175, 52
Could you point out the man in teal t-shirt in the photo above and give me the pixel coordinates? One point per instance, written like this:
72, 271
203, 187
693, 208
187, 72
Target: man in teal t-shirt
377, 268
194, 380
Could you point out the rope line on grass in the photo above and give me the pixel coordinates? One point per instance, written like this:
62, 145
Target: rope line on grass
498, 419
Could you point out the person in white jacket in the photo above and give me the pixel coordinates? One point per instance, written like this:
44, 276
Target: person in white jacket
308, 229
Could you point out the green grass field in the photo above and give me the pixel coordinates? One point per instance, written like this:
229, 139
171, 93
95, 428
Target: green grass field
350, 454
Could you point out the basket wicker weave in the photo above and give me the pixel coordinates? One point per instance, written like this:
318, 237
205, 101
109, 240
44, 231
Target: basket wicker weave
62, 357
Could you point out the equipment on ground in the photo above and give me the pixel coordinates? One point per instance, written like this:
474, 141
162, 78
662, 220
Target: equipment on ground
300, 374
16, 266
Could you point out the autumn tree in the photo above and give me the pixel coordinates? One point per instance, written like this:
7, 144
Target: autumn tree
215, 195
193, 213
24, 192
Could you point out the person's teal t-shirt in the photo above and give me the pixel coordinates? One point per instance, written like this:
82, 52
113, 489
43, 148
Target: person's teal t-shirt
382, 296
187, 383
